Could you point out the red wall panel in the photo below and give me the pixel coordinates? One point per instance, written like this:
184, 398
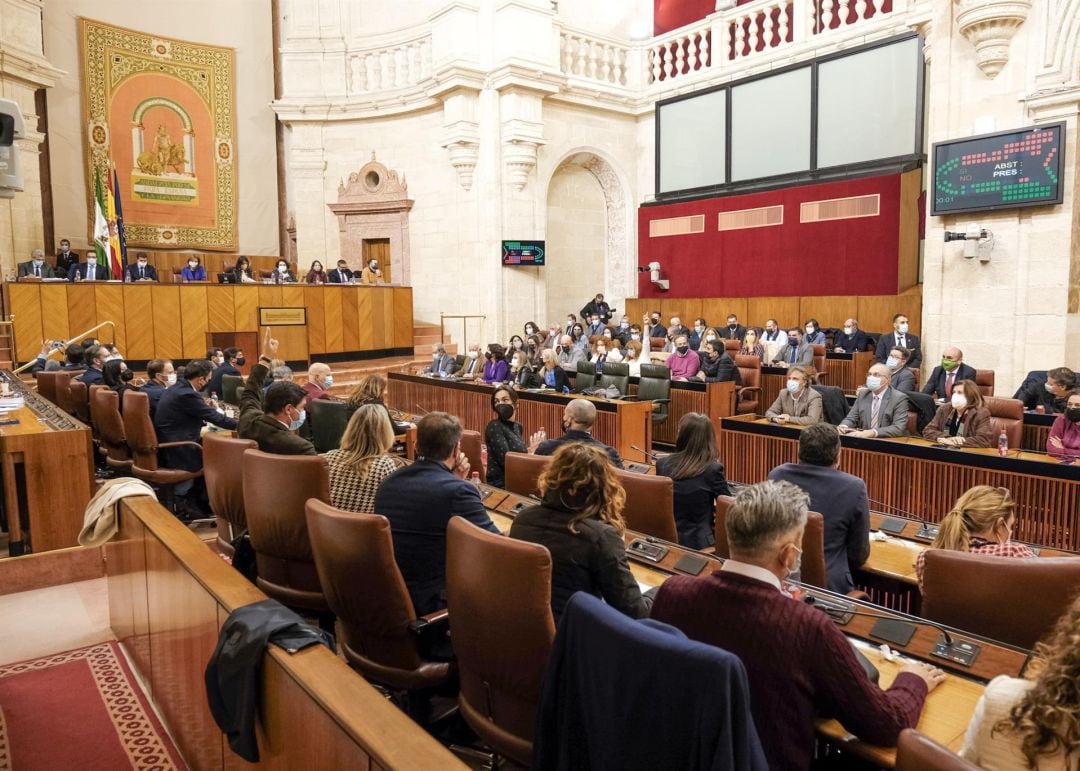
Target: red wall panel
857, 256
672, 14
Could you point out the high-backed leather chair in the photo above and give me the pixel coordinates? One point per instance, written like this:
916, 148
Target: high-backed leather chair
50, 384
917, 373
223, 463
379, 626
471, 442
143, 442
650, 504
109, 427
522, 470
617, 375
819, 360
276, 489
1007, 414
498, 593
63, 394
813, 569
732, 346
328, 421
79, 400
654, 384
918, 752
585, 377
748, 400
984, 379
230, 388
1014, 600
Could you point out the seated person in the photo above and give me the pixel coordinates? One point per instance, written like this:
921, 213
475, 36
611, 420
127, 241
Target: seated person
89, 271
363, 460
594, 326
578, 338
371, 390
734, 330
951, 370
503, 435
141, 269
900, 336
316, 275
600, 353
796, 352
676, 328
751, 346
578, 418
683, 363
241, 272
963, 421
271, 420
341, 274
319, 379
160, 374
1031, 722
840, 498
419, 501
282, 274
850, 339
36, 267
550, 374
698, 480
74, 359
94, 357
903, 379
1049, 392
798, 403
1064, 438
579, 520
814, 335
799, 664
879, 410
442, 363
496, 370
228, 361
570, 353
773, 334
193, 271
473, 367
522, 373
981, 522
651, 326
717, 366
116, 376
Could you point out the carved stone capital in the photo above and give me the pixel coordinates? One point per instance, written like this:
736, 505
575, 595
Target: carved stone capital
989, 26
519, 157
463, 153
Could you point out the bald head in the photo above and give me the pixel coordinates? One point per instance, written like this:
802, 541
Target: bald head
883, 372
317, 374
566, 341
953, 354
580, 414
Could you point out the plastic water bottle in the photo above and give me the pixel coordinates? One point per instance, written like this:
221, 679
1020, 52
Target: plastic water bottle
483, 455
1003, 443
475, 478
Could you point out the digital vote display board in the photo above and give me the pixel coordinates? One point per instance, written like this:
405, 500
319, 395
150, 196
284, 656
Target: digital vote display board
527, 253
999, 171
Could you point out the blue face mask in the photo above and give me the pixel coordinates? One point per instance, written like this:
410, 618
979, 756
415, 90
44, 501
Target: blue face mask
329, 381
793, 386
299, 421
873, 382
902, 329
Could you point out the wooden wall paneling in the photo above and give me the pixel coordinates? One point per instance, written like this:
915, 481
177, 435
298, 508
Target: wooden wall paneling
387, 297
911, 188
715, 310
829, 310
82, 309
194, 322
686, 308
168, 338
366, 316
126, 580
403, 317
270, 296
786, 311
246, 308
350, 320
138, 321
110, 307
314, 300
292, 296
635, 309
876, 312
25, 306
220, 313
332, 301
54, 312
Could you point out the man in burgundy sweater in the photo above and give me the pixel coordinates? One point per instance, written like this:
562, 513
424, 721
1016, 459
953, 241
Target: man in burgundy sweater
800, 665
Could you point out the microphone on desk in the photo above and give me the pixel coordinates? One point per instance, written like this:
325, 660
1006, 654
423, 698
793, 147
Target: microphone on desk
421, 409
926, 530
649, 454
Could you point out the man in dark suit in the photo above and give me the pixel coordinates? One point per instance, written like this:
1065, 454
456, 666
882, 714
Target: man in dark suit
879, 410
578, 419
903, 379
796, 352
94, 356
734, 330
160, 375
951, 371
341, 274
654, 330
181, 413
74, 359
89, 271
419, 501
840, 498
65, 258
230, 358
850, 339
1050, 390
141, 269
717, 366
36, 267
899, 336
599, 308
270, 420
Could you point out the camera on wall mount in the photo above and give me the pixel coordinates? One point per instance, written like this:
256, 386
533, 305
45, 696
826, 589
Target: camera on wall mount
654, 275
974, 238
11, 128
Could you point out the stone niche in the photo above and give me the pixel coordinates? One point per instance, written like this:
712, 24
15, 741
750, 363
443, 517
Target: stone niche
373, 206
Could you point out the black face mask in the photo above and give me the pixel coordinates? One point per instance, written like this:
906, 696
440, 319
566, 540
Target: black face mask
683, 348
733, 326
1073, 414
127, 375
241, 361
504, 411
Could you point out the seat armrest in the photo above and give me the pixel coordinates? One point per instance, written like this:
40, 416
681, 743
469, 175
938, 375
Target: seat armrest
748, 389
859, 594
436, 618
181, 444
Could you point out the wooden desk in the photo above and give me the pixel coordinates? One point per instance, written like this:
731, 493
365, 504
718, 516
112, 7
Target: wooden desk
622, 424
916, 476
47, 473
1036, 431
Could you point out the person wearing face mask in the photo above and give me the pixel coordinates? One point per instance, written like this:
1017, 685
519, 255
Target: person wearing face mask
160, 375
595, 327
474, 365
797, 659
683, 363
577, 422
141, 269
531, 329
980, 522
597, 307
814, 335
227, 362
193, 271
798, 403
879, 410
550, 374
117, 377
271, 419
734, 330
600, 354
371, 274
442, 363
903, 379
1064, 439
65, 258
622, 332
36, 267
697, 334
282, 274
569, 353
652, 328
751, 346
717, 366
496, 368
850, 339
1048, 391
319, 380
900, 336
88, 271
578, 337
773, 334
796, 352
317, 275
504, 434
516, 344
952, 370
341, 274
963, 421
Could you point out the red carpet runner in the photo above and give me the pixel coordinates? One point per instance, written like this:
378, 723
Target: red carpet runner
81, 709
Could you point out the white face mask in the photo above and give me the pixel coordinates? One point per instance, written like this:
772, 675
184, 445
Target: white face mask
435, 355
193, 265
959, 401
902, 328
793, 385
848, 330
873, 382
635, 337
171, 378
282, 268
473, 354
142, 263
809, 330
892, 362
65, 249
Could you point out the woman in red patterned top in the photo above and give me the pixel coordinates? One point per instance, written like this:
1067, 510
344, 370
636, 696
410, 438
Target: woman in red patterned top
980, 522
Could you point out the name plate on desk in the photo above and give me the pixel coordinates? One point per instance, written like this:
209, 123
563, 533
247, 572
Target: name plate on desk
282, 317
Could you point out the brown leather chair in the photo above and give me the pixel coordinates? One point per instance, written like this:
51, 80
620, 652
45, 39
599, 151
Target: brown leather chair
276, 489
109, 427
748, 399
471, 442
984, 379
732, 346
1010, 599
50, 384
813, 570
918, 752
650, 505
1007, 414
499, 597
378, 624
143, 442
522, 471
819, 361
917, 373
223, 462
79, 400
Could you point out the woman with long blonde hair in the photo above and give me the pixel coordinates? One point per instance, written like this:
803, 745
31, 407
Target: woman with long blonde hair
370, 390
579, 520
982, 522
363, 461
1033, 723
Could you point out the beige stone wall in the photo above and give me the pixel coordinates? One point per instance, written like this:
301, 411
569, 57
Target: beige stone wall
575, 242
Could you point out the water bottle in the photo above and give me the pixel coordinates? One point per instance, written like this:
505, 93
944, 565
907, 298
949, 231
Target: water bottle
475, 478
483, 455
1003, 443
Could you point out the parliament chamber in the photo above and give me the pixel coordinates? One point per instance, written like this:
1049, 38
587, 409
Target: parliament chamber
437, 385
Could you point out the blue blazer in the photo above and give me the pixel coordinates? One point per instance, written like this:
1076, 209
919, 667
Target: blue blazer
91, 377
199, 274
132, 272
181, 412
